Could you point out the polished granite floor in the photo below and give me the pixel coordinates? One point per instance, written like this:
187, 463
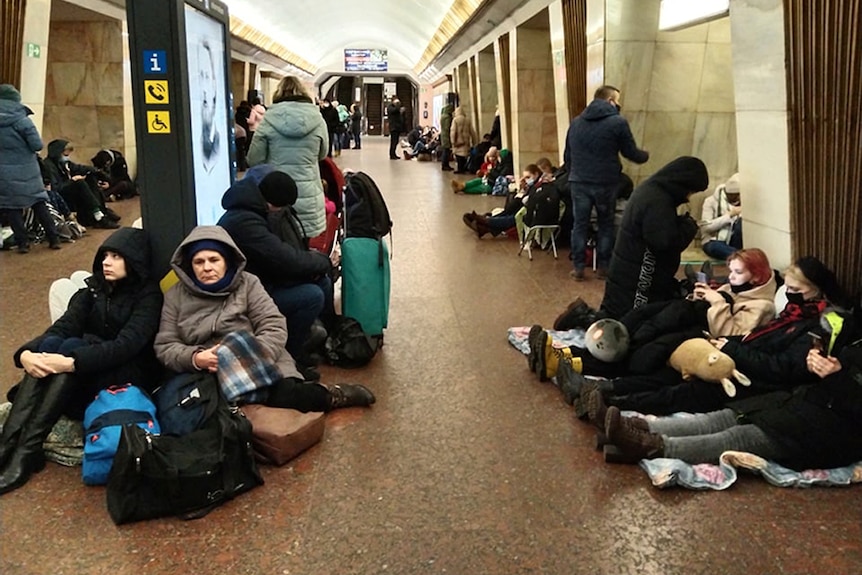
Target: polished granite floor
467, 465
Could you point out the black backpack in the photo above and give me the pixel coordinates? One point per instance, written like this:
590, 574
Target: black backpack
348, 346
365, 209
543, 206
188, 476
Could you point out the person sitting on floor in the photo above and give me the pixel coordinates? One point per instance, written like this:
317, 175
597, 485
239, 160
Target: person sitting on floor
113, 175
104, 338
721, 220
79, 187
499, 223
745, 303
294, 276
813, 426
216, 297
772, 356
487, 174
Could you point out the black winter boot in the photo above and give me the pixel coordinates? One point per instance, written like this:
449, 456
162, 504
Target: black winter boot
28, 457
30, 391
349, 395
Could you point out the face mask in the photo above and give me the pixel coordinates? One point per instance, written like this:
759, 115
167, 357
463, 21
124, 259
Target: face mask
798, 298
65, 158
743, 287
530, 181
617, 106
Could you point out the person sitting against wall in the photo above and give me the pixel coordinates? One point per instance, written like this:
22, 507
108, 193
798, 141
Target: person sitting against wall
498, 224
104, 338
113, 175
487, 174
812, 426
426, 144
773, 356
296, 277
79, 187
721, 220
215, 297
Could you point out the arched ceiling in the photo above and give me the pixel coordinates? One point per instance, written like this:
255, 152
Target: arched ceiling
318, 31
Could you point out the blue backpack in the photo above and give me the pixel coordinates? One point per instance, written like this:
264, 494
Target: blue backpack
103, 424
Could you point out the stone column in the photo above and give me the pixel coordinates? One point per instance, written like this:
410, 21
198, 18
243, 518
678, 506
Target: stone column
37, 27
486, 74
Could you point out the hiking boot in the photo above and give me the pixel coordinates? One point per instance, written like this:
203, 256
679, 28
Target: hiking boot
596, 409
24, 249
482, 228
535, 347
569, 378
630, 438
350, 395
457, 187
581, 402
577, 275
54, 244
106, 224
547, 357
564, 320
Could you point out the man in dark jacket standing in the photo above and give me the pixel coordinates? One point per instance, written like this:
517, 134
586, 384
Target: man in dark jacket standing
393, 112
651, 238
594, 142
295, 276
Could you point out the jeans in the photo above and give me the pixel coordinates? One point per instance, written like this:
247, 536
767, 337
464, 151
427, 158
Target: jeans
499, 224
301, 304
19, 231
722, 250
584, 198
702, 438
357, 138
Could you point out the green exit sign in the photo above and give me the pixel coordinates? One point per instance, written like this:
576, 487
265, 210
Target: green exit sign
33, 50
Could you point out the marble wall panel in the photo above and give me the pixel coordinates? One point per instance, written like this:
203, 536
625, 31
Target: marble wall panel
595, 69
110, 133
716, 85
631, 20
667, 135
595, 21
37, 21
78, 124
70, 84
532, 49
719, 31
715, 144
776, 243
693, 34
629, 68
676, 75
637, 124
108, 77
757, 28
763, 163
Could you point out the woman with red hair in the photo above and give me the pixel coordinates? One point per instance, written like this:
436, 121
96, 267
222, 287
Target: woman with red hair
746, 301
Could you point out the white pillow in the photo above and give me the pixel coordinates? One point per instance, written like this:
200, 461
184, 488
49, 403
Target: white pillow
780, 299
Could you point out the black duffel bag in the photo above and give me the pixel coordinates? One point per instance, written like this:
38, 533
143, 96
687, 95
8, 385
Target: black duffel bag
188, 476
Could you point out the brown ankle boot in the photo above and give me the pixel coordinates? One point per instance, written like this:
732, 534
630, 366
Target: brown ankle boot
630, 438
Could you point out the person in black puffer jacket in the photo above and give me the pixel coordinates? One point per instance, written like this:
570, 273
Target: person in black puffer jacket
651, 238
104, 338
260, 220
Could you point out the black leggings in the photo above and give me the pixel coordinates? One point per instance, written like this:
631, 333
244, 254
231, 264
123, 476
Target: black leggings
296, 394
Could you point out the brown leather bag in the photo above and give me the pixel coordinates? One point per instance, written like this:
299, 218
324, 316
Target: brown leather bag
279, 435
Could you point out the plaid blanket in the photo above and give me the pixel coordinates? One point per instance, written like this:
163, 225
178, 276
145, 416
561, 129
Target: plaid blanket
245, 370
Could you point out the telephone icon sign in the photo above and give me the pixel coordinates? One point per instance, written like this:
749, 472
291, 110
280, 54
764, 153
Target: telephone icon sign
156, 91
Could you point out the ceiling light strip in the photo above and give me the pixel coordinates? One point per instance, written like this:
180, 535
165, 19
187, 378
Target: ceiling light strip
453, 21
257, 38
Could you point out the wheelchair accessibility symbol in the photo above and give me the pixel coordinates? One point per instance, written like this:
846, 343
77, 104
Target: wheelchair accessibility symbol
158, 122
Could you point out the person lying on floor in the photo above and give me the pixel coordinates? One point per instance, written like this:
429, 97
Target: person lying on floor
773, 356
104, 338
814, 426
495, 225
745, 303
214, 298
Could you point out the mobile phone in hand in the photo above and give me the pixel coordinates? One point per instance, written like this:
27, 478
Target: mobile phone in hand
701, 277
817, 343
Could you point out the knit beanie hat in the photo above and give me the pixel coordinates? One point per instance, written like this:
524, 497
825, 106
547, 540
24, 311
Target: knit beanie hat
731, 186
8, 92
822, 277
278, 189
213, 245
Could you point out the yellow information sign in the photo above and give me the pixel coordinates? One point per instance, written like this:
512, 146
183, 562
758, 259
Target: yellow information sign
156, 91
158, 122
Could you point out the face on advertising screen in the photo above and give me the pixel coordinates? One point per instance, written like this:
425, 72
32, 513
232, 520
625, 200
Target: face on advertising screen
209, 114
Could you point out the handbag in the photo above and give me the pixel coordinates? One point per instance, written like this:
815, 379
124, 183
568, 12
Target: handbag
279, 435
188, 476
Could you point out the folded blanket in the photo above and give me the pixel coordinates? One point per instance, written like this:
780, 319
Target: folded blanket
518, 337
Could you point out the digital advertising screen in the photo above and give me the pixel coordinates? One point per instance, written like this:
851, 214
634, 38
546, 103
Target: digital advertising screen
365, 60
210, 113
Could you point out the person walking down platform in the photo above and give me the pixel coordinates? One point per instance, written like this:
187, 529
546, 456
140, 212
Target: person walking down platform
396, 126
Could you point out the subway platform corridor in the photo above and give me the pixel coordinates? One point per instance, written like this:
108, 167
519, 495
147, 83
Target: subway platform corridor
466, 465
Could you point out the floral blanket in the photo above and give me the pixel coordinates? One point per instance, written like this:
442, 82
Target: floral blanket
65, 443
675, 472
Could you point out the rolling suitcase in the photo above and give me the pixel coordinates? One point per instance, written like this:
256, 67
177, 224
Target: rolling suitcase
365, 283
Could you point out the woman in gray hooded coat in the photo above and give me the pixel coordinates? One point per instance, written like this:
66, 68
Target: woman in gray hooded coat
293, 138
20, 179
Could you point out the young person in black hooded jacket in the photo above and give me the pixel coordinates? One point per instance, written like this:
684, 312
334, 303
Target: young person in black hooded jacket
104, 338
651, 238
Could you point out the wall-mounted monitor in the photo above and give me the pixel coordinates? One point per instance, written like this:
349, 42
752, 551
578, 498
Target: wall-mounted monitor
209, 112
365, 60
